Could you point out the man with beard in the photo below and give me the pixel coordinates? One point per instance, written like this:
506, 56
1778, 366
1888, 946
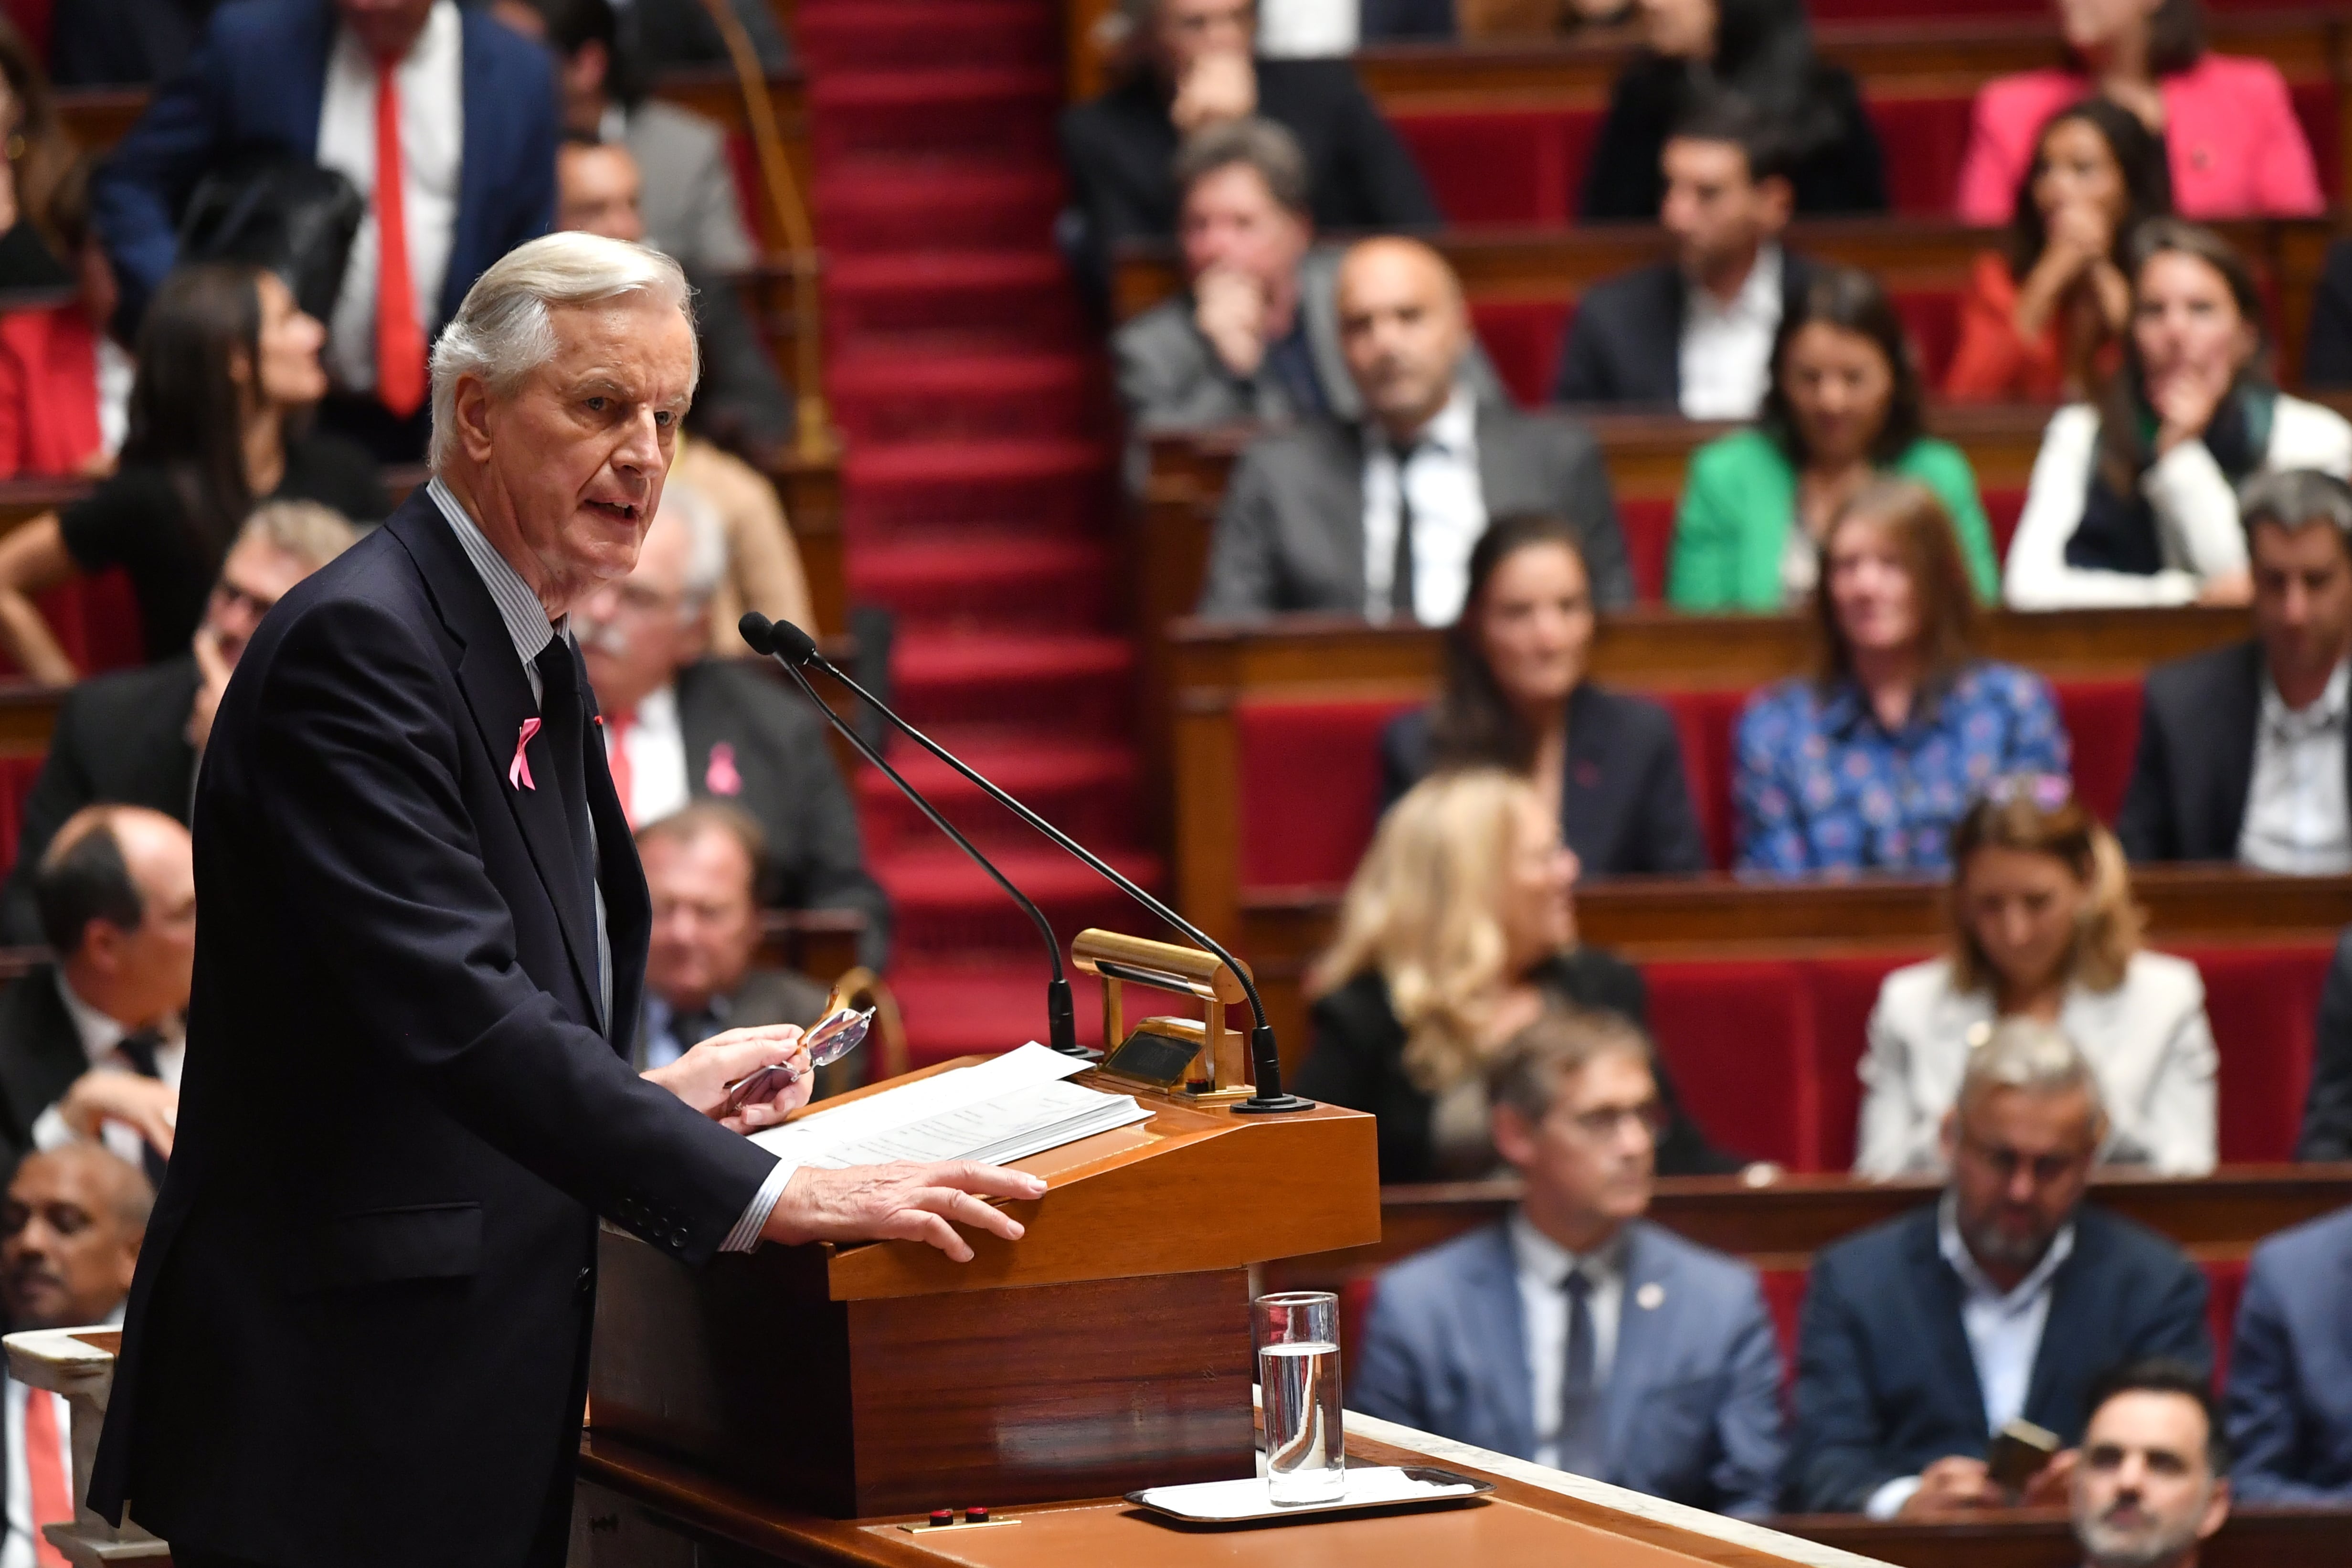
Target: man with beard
2153, 1483
1925, 1337
69, 1235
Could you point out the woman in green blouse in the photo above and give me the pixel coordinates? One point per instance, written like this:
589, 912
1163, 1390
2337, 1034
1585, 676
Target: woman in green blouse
1845, 407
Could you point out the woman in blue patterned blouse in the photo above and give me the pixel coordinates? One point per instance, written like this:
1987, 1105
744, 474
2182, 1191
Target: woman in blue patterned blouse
1865, 764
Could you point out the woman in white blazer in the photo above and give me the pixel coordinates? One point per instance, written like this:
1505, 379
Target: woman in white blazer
2042, 925
2134, 499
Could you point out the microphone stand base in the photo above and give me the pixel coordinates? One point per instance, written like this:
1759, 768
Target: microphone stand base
1271, 1104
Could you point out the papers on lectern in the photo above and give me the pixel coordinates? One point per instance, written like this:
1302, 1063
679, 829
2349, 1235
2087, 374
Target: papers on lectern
1006, 1109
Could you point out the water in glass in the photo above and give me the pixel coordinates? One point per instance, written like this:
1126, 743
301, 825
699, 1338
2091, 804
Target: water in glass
1305, 1459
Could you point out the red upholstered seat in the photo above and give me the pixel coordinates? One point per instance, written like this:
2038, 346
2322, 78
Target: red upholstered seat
1310, 776
1784, 1297
1648, 525
1923, 140
2003, 508
17, 776
1705, 720
2264, 1001
1734, 1035
1845, 990
2225, 1282
1523, 337
1504, 165
2103, 719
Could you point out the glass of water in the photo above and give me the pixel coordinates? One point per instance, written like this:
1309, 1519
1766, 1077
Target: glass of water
1298, 1382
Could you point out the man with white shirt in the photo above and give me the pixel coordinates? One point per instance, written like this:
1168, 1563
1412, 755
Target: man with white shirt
1376, 518
679, 726
92, 1044
464, 109
1696, 333
1576, 1334
69, 1235
2242, 751
1923, 1337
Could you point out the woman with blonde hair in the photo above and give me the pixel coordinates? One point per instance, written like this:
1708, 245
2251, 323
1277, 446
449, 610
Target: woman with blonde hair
2043, 926
1458, 930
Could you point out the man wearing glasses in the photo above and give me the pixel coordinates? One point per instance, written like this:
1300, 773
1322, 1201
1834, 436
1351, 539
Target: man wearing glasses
1576, 1334
1926, 1337
132, 737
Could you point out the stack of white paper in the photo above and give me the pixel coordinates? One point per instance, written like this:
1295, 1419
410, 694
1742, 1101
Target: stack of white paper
1003, 1110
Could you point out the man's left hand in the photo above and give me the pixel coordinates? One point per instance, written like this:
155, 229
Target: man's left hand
702, 1076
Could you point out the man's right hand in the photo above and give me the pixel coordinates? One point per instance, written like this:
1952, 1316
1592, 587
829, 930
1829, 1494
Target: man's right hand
1229, 308
1954, 1484
148, 1107
900, 1201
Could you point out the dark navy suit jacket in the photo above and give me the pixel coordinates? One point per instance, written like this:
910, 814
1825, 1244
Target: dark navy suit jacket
258, 80
359, 1330
2290, 1405
1886, 1382
1694, 1393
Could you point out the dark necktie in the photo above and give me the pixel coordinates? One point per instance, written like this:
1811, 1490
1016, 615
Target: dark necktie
1400, 567
139, 1050
562, 720
1580, 1395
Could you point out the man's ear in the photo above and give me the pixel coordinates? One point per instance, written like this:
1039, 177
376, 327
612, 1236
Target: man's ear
1514, 1140
471, 409
1948, 1135
1777, 201
101, 943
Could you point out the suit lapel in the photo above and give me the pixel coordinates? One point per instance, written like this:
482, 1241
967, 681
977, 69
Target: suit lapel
1589, 805
629, 908
497, 694
485, 115
300, 94
1495, 1331
2069, 1333
1645, 1323
1318, 303
2236, 732
1949, 1337
1346, 479
45, 1053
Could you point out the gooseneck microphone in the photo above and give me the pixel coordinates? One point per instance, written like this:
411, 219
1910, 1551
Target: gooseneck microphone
795, 649
1060, 1023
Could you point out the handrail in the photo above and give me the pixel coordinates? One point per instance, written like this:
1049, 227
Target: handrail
815, 420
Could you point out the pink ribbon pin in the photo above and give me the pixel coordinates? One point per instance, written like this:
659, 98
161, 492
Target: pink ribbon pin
519, 771
722, 777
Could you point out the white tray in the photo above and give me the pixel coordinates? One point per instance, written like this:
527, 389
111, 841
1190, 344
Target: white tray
1368, 1487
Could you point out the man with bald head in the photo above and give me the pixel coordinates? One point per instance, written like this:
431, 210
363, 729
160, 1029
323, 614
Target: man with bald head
680, 726
1377, 517
91, 1043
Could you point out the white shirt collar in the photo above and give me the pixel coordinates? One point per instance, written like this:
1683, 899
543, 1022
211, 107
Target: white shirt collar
100, 1032
2325, 713
1759, 293
1538, 1255
1955, 1248
525, 617
1454, 429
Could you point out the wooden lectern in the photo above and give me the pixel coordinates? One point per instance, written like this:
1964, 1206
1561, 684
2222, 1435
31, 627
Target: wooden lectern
1108, 1349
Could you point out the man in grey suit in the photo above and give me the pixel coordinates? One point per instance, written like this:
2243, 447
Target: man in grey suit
1575, 1333
1377, 517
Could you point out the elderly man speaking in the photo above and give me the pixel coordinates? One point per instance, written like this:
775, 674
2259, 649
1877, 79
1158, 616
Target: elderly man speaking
359, 1332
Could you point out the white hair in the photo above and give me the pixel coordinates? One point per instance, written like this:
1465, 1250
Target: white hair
705, 547
503, 334
2039, 1058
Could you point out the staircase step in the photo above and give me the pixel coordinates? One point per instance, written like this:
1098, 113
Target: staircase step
932, 487
883, 396
945, 904
949, 301
969, 580
1006, 116
914, 34
1086, 788
1066, 683
867, 204
956, 1009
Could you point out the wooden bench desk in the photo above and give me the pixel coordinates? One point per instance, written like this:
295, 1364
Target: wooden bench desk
2042, 1538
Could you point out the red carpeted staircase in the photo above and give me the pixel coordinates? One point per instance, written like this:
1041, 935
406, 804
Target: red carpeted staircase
977, 489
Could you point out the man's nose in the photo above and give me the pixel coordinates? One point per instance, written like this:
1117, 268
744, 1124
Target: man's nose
640, 447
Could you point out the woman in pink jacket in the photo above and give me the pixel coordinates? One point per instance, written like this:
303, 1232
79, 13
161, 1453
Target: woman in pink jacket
2231, 134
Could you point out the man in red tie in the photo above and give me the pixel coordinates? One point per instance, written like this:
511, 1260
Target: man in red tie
69, 1235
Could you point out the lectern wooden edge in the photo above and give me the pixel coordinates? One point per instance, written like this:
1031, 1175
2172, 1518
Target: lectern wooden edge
79, 1364
1108, 1349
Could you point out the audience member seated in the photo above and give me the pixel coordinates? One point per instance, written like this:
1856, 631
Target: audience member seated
1696, 333
1761, 49
1925, 1336
64, 381
227, 364
1865, 764
1458, 930
2290, 1402
691, 208
2327, 355
1845, 407
2134, 499
1576, 1334
738, 399
91, 1043
2229, 126
69, 1235
1378, 518
43, 154
475, 108
1191, 68
2242, 751
763, 561
1515, 698
133, 737
2043, 927
2153, 1484
2047, 321
2327, 1105
702, 868
679, 726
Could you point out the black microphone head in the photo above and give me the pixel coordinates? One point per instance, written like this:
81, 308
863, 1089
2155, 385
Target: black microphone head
759, 631
791, 644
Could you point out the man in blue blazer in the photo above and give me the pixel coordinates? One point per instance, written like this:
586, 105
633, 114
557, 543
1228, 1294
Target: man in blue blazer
1576, 1334
2290, 1406
1925, 1336
296, 77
